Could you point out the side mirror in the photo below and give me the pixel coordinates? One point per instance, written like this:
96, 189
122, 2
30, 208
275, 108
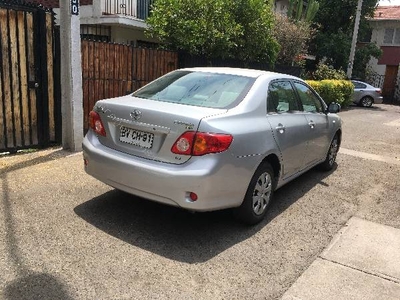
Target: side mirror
334, 108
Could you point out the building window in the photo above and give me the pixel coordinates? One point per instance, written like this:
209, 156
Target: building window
388, 38
397, 37
96, 33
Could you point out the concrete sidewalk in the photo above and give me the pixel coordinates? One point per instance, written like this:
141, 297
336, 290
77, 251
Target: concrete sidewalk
362, 262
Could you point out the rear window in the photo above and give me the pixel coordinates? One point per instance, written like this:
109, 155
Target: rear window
198, 89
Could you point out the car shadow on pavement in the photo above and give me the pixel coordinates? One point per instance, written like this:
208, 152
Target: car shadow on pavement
177, 234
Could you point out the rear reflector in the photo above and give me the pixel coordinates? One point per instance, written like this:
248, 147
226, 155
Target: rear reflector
201, 143
193, 196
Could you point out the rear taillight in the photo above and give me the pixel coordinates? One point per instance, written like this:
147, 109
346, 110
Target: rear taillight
378, 91
200, 143
96, 124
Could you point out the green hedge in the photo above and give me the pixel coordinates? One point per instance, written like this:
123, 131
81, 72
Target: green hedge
339, 91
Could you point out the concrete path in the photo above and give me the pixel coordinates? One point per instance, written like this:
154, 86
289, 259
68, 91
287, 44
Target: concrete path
362, 262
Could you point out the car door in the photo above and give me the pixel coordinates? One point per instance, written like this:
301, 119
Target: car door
317, 121
288, 124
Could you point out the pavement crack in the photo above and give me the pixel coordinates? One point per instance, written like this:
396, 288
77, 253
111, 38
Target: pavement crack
380, 275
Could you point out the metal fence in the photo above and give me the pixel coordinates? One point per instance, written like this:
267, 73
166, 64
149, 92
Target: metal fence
135, 8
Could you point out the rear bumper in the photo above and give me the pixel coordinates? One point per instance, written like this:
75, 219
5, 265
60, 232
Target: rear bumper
217, 182
378, 100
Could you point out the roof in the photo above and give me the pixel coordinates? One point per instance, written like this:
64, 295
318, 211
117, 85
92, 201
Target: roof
387, 13
237, 71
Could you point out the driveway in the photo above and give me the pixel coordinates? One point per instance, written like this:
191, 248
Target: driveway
64, 235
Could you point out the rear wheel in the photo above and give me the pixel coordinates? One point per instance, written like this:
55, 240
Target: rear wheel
330, 159
258, 196
366, 101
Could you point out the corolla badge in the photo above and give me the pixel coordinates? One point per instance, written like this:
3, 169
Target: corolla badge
136, 114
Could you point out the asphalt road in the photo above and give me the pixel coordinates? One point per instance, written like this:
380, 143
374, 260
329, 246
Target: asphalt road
64, 235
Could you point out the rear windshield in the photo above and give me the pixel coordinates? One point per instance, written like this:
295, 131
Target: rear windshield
198, 89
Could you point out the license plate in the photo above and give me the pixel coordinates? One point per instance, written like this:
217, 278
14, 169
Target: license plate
136, 137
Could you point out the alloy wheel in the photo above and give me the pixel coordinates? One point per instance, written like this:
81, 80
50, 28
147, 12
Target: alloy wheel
366, 102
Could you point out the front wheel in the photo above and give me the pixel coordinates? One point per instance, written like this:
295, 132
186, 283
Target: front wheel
330, 159
258, 196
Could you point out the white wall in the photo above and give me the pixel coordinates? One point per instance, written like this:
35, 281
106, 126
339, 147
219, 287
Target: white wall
128, 35
281, 6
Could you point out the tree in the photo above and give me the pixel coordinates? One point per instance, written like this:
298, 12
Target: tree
335, 19
293, 36
216, 28
296, 10
362, 58
256, 41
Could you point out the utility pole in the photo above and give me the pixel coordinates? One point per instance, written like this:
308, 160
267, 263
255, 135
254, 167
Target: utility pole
354, 41
71, 76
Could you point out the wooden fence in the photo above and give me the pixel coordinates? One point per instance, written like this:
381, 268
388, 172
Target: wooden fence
110, 70
28, 89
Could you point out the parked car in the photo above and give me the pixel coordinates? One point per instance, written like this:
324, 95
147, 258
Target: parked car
365, 94
206, 139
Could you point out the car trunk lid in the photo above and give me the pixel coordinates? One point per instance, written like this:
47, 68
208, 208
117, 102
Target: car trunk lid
149, 128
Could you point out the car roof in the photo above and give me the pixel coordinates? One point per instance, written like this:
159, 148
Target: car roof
239, 71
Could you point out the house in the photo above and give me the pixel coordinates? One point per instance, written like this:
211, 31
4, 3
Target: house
120, 21
386, 34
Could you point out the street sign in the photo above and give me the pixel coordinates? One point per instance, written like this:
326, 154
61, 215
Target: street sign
75, 7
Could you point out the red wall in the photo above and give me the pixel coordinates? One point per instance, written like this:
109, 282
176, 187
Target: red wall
390, 56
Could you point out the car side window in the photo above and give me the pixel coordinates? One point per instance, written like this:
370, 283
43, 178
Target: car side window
308, 99
359, 85
281, 98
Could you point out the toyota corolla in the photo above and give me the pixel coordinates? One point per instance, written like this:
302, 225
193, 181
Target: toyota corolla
212, 138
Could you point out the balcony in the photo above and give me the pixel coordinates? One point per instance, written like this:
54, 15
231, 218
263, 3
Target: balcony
138, 9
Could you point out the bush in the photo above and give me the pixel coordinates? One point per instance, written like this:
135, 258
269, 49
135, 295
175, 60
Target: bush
328, 72
339, 91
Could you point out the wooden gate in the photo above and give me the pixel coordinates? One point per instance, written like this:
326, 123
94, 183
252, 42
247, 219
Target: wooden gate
110, 70
389, 85
29, 112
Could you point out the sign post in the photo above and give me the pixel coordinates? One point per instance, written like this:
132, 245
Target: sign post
71, 76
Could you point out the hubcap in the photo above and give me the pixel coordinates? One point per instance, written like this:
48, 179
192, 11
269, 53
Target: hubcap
367, 102
262, 193
333, 151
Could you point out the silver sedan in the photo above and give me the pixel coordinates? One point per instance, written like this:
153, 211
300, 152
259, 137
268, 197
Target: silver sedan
212, 138
365, 94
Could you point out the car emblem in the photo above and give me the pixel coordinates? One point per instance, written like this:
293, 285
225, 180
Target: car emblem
136, 114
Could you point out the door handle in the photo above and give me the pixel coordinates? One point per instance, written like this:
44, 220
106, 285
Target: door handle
311, 124
280, 128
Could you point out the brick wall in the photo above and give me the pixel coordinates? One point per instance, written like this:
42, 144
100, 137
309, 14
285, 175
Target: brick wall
56, 3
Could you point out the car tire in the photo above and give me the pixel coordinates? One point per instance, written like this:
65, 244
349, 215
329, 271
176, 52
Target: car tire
258, 196
366, 101
330, 159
